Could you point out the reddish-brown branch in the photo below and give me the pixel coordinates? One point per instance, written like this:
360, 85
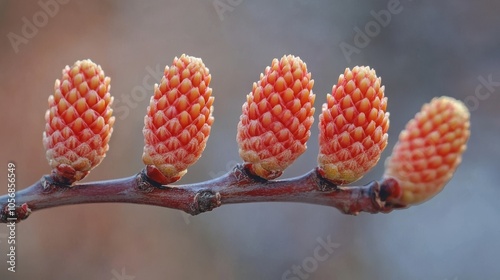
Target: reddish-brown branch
237, 186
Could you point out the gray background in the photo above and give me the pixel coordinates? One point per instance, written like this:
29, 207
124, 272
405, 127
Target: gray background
429, 48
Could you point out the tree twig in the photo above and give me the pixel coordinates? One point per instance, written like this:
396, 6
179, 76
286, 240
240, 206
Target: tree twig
237, 186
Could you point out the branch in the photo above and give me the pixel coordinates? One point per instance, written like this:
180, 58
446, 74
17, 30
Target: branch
237, 186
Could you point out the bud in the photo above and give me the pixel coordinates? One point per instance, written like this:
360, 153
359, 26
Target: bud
78, 122
352, 126
178, 120
429, 150
277, 116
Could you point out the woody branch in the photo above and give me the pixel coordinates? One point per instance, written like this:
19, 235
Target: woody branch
237, 186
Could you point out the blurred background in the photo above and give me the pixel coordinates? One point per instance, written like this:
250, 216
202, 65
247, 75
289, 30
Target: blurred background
421, 49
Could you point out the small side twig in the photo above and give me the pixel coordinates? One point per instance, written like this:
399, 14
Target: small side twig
237, 186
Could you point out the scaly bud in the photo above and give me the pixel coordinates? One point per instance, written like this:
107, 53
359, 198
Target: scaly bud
277, 116
352, 126
79, 122
178, 120
429, 150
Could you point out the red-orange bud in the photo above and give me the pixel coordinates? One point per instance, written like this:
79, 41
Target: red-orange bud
79, 122
429, 150
352, 126
178, 120
276, 119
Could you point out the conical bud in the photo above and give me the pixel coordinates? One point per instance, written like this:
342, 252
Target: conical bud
79, 122
178, 120
352, 126
429, 150
277, 116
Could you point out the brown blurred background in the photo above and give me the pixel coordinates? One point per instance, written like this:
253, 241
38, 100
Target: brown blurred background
427, 49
